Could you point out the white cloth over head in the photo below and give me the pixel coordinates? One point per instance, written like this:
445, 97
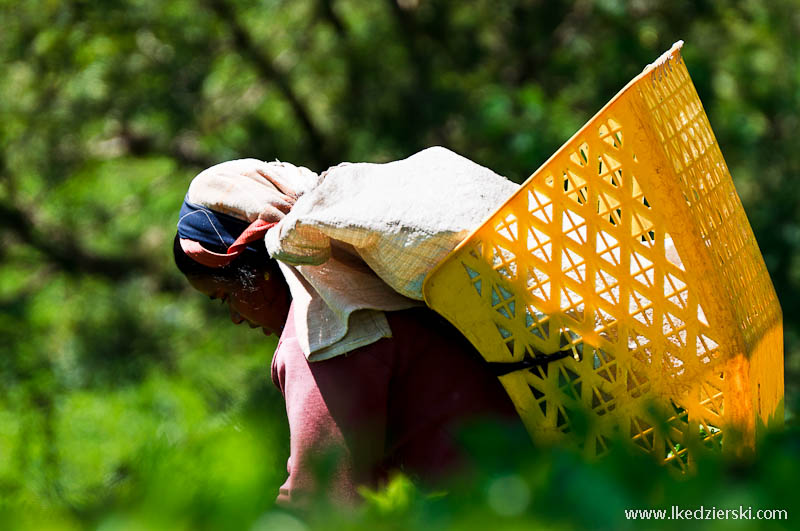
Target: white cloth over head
361, 238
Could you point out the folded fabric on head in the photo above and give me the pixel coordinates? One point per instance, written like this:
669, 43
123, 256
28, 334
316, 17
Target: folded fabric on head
224, 196
402, 217
251, 189
332, 316
354, 242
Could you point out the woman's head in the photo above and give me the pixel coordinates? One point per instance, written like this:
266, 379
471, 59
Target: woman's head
251, 285
220, 240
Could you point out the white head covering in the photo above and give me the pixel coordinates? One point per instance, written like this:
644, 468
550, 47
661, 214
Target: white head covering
250, 189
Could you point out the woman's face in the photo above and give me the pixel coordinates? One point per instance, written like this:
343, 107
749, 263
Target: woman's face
264, 303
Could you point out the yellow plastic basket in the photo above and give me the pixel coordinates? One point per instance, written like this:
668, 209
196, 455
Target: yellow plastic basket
622, 284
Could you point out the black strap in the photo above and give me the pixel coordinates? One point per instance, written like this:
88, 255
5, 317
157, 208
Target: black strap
501, 368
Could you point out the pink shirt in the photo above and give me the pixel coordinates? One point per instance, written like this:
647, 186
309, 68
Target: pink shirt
396, 404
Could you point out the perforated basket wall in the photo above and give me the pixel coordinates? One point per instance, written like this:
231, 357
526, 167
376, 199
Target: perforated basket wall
629, 252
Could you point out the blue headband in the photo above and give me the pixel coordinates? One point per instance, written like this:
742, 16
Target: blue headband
213, 230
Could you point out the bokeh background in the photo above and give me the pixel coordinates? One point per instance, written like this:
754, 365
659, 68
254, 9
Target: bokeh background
127, 401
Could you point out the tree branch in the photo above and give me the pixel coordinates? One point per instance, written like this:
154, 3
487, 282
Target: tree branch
408, 33
247, 48
326, 10
139, 145
65, 252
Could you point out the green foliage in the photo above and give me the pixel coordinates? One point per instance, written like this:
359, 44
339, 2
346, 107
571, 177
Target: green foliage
129, 403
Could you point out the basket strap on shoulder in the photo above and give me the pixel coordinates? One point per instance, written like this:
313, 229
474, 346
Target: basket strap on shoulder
501, 368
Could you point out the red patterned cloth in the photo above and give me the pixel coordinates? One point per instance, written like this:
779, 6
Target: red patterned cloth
396, 404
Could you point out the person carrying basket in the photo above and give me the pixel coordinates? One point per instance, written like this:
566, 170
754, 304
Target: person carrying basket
374, 382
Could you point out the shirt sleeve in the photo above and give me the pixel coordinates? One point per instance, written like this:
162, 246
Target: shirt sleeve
337, 421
